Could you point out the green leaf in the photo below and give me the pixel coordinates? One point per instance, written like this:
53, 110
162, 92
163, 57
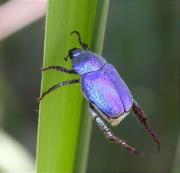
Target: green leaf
63, 129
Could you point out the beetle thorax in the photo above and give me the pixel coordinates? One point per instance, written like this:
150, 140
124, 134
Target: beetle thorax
86, 61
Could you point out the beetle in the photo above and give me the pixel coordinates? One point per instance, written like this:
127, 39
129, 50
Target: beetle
109, 97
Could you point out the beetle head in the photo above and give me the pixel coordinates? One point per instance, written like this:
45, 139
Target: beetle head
73, 53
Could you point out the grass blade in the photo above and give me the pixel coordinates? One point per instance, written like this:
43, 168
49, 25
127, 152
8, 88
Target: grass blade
60, 112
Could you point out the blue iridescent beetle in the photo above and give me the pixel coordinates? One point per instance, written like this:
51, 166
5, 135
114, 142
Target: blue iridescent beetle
108, 96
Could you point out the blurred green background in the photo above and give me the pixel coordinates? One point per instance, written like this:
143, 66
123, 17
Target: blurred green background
142, 41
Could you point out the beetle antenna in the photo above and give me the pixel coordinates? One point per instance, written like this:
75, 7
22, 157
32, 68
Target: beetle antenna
83, 44
144, 121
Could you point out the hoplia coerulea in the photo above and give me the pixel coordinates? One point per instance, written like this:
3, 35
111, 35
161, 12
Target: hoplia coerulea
108, 96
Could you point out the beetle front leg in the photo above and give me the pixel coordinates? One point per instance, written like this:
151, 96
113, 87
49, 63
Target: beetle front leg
83, 44
109, 135
58, 86
144, 121
59, 68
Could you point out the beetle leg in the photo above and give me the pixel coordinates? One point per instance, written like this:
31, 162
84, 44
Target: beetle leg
59, 68
83, 44
144, 121
58, 86
108, 134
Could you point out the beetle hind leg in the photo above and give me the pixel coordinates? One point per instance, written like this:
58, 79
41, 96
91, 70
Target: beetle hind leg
108, 134
144, 121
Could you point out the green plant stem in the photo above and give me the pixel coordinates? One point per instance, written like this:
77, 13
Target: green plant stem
60, 117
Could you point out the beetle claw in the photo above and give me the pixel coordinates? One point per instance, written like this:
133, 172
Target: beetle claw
38, 99
35, 110
158, 147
